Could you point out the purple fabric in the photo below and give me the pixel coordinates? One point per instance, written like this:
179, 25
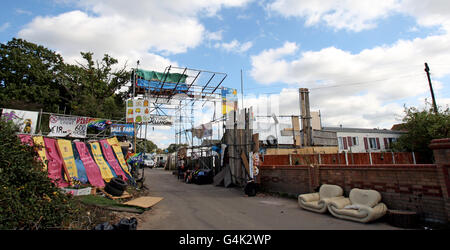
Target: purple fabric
109, 156
92, 171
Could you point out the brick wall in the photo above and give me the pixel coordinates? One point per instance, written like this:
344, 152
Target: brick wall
352, 158
402, 186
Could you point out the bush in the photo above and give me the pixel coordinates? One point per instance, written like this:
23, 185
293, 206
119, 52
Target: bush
28, 198
422, 127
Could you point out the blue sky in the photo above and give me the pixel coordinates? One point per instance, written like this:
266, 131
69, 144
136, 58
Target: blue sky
361, 60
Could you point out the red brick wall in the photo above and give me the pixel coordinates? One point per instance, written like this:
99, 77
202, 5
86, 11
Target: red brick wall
402, 186
286, 179
352, 158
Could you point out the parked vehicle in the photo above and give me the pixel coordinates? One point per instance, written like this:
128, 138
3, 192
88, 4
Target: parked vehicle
148, 161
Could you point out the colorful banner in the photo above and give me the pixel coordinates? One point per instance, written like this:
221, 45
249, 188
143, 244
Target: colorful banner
99, 124
82, 175
66, 152
39, 142
229, 100
61, 126
26, 120
105, 170
122, 130
55, 166
92, 170
138, 110
134, 158
111, 159
119, 154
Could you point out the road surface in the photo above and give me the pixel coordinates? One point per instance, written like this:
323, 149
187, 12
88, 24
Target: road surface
207, 207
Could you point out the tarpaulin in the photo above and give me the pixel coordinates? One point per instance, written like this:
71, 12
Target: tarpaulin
66, 151
119, 154
55, 164
161, 77
92, 170
111, 159
105, 169
40, 146
158, 86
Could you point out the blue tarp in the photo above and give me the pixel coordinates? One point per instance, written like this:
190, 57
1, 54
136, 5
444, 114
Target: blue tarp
156, 86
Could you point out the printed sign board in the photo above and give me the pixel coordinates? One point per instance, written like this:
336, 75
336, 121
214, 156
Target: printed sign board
26, 120
229, 100
138, 110
122, 129
61, 126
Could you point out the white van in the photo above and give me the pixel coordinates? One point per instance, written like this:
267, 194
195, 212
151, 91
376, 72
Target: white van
148, 161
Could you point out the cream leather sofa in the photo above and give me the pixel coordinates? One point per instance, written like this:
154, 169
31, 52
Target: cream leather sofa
361, 206
317, 202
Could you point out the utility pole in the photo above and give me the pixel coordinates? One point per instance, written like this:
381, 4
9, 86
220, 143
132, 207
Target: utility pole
427, 69
242, 89
134, 95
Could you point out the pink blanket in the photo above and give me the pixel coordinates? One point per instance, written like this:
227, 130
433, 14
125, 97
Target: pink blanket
109, 156
92, 171
26, 140
55, 164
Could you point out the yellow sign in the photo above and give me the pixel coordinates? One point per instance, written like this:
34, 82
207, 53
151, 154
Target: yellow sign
118, 151
65, 148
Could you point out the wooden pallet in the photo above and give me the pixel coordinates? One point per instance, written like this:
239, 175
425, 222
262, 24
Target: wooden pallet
125, 195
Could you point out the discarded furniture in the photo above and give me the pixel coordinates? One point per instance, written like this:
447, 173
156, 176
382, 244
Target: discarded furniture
362, 206
317, 202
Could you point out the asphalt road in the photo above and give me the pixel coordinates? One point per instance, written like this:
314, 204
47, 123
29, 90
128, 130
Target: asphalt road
207, 207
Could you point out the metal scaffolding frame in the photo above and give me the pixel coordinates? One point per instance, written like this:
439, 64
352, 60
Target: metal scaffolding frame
202, 86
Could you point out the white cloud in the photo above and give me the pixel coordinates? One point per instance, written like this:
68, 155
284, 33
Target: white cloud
4, 26
24, 12
355, 15
235, 46
214, 36
135, 29
358, 15
358, 89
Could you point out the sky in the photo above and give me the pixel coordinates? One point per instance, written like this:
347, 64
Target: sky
362, 60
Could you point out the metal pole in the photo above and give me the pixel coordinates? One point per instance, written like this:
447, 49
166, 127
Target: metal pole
40, 120
427, 69
242, 89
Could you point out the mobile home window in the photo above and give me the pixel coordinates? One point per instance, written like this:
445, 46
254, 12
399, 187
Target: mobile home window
373, 143
341, 143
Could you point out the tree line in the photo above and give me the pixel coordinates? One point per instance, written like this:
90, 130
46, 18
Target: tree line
33, 77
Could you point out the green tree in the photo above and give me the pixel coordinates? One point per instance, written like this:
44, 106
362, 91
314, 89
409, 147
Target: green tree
93, 87
28, 198
174, 147
28, 76
422, 126
150, 147
33, 77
